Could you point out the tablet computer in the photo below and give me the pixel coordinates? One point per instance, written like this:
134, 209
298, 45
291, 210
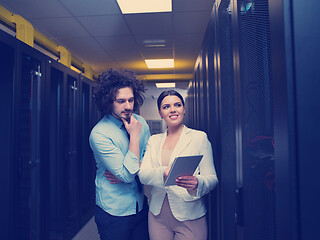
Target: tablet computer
182, 166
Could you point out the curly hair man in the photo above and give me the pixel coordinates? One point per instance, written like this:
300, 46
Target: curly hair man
118, 142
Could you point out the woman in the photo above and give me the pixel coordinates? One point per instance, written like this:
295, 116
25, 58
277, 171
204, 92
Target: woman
177, 212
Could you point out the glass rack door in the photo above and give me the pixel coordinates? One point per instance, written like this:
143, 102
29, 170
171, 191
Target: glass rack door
55, 152
87, 172
7, 76
71, 165
28, 147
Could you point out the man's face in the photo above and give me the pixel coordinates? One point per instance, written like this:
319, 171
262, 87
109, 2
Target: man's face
123, 104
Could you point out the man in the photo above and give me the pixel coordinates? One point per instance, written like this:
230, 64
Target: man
118, 142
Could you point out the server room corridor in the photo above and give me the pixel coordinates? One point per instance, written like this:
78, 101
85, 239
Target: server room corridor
246, 69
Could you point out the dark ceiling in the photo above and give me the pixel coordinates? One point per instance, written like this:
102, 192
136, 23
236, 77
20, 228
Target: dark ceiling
97, 33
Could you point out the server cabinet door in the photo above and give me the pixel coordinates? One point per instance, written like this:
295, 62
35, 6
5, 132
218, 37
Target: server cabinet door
71, 165
227, 120
26, 214
256, 167
87, 172
63, 164
55, 151
7, 64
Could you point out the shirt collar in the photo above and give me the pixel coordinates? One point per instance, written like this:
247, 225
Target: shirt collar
116, 121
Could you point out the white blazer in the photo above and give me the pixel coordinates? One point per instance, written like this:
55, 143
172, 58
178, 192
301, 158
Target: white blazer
183, 205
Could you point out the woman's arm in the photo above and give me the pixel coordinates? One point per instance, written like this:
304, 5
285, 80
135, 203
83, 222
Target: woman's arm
206, 179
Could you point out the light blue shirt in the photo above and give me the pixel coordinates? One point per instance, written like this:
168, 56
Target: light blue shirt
110, 145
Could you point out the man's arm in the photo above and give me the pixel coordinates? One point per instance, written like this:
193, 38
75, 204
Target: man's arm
134, 130
146, 135
123, 167
111, 178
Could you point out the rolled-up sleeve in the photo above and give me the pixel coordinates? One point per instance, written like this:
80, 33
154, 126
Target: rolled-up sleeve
124, 167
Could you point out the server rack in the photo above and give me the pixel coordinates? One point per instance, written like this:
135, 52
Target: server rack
48, 169
295, 52
8, 66
240, 90
28, 157
266, 112
89, 116
62, 152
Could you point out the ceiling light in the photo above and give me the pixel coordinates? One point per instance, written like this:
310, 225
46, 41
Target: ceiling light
154, 43
144, 6
166, 85
160, 63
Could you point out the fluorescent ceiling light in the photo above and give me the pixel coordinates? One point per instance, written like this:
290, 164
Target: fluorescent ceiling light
144, 6
166, 85
160, 63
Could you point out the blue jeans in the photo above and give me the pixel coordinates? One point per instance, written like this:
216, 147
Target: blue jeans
133, 227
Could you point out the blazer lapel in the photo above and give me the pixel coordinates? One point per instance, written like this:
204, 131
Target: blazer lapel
161, 142
183, 143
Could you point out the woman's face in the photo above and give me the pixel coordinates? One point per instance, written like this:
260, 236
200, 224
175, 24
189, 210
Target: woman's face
172, 110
